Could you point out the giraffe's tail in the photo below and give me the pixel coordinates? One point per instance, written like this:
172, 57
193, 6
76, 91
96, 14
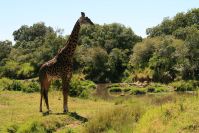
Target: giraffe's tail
44, 89
41, 90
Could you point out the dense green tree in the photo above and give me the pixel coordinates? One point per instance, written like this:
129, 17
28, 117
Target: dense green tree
118, 61
108, 36
115, 40
34, 45
183, 33
183, 26
16, 70
163, 61
188, 54
161, 56
105, 52
176, 25
96, 65
142, 52
192, 44
100, 66
102, 54
26, 33
5, 47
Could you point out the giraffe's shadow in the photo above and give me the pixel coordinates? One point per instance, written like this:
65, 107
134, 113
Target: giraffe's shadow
71, 114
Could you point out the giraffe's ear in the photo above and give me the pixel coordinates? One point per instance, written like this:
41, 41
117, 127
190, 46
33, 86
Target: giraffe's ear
83, 14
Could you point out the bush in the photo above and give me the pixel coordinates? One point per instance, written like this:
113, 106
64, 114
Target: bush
16, 86
157, 87
30, 87
138, 91
150, 89
5, 83
182, 85
13, 69
84, 94
19, 85
115, 89
91, 85
160, 89
80, 87
113, 85
126, 89
56, 85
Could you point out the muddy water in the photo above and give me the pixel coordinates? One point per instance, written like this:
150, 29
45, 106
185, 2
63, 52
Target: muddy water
103, 92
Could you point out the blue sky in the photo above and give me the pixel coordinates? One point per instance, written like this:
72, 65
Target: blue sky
138, 15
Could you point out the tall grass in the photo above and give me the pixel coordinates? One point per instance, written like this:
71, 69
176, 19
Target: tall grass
119, 119
181, 115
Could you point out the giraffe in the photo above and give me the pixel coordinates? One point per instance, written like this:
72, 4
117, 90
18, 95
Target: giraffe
61, 65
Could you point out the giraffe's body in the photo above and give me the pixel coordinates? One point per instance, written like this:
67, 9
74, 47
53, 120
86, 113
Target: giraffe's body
61, 65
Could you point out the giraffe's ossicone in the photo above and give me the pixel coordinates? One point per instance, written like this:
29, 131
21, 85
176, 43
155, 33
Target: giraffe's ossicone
61, 65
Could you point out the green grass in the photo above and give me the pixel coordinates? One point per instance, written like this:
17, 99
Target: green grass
21, 110
189, 85
179, 116
153, 112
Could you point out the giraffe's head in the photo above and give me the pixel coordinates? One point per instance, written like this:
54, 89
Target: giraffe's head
85, 20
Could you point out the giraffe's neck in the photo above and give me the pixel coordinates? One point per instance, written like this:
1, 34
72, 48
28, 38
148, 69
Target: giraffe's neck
69, 49
74, 35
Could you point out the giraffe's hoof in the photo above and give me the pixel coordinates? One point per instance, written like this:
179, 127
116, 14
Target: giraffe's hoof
65, 111
49, 111
40, 110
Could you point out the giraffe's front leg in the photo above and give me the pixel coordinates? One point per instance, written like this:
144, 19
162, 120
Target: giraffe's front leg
65, 91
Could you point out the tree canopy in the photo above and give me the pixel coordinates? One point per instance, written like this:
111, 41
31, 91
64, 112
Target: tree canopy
171, 50
179, 26
111, 52
102, 54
